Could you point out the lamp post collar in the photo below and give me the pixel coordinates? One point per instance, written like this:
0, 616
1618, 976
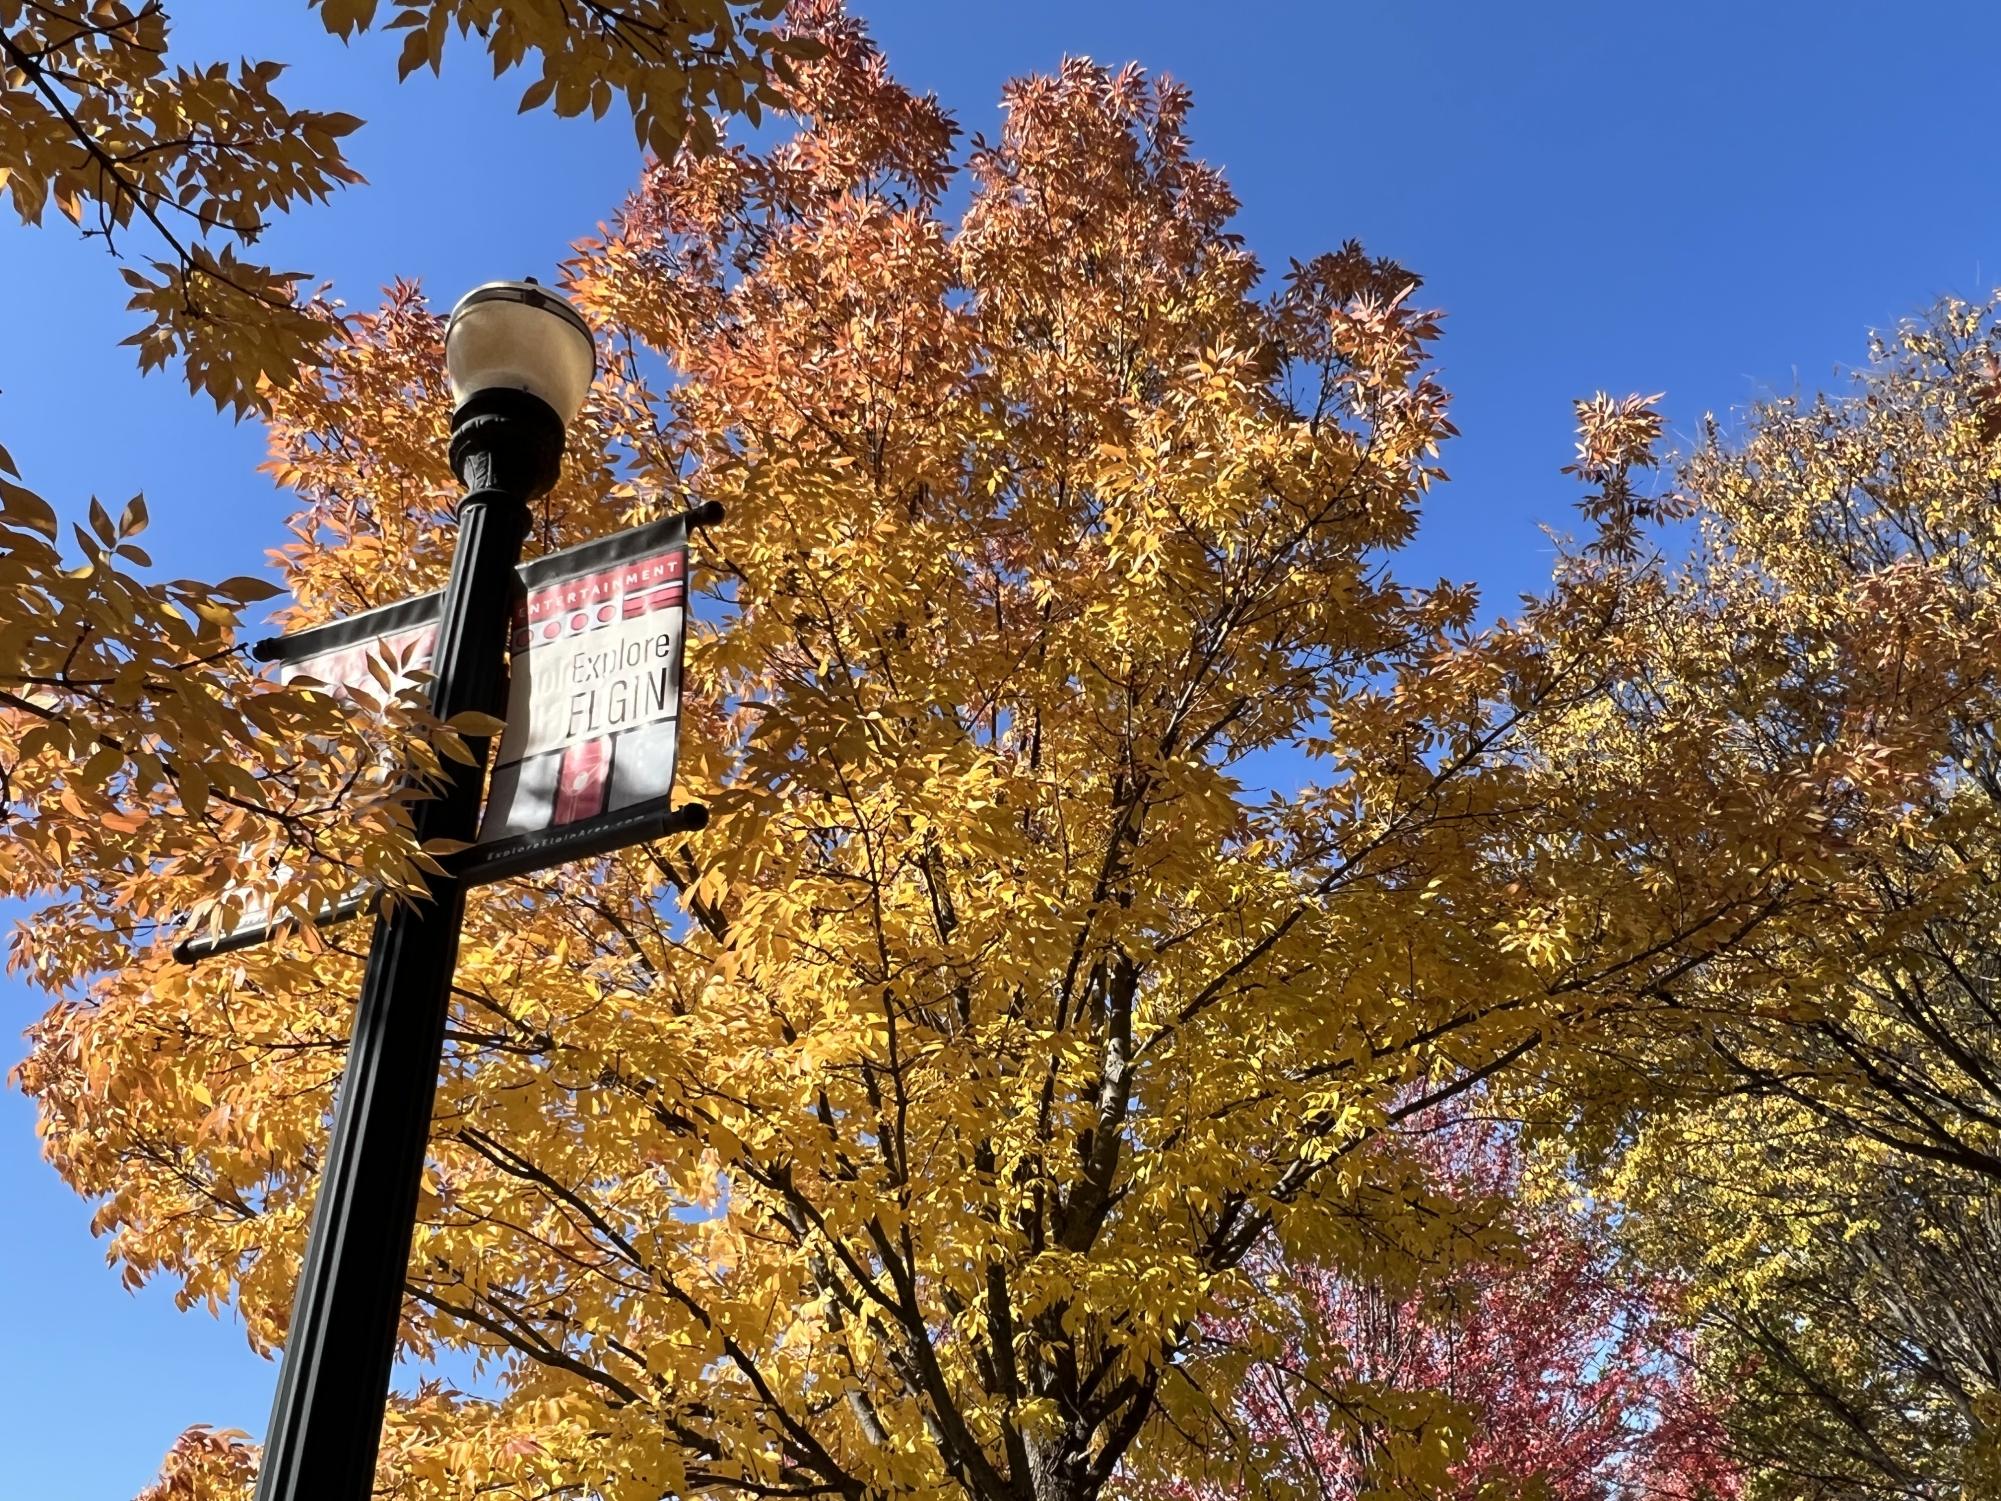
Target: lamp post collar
506, 440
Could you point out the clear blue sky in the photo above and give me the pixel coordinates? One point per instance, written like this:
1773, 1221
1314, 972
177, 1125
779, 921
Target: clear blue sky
1712, 199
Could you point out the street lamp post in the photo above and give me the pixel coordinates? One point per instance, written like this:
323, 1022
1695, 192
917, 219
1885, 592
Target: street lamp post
521, 362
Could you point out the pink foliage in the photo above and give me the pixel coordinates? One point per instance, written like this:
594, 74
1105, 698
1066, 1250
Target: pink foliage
1574, 1375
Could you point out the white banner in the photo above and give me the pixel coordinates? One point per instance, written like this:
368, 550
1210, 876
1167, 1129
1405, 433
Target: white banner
594, 693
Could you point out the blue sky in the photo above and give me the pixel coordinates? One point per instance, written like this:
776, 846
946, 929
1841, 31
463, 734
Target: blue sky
1712, 199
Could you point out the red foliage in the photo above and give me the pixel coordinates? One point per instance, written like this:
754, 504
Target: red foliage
1562, 1376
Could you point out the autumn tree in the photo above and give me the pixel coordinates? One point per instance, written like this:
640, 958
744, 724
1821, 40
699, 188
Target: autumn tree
1817, 1146
1843, 1295
900, 1132
1570, 1376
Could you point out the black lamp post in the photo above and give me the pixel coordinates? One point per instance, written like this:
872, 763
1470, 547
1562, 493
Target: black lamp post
521, 362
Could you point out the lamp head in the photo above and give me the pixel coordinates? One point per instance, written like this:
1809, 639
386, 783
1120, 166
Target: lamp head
521, 361
518, 336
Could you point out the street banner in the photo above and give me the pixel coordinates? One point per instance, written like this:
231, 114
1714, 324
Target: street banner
346, 654
586, 761
594, 684
379, 652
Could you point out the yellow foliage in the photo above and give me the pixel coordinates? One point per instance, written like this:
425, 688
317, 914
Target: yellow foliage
895, 1133
1819, 1164
98, 119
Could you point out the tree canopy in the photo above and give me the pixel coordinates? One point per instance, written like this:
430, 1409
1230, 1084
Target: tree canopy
139, 742
1822, 1164
1011, 1083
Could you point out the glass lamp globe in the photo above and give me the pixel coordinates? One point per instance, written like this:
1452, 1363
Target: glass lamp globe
518, 336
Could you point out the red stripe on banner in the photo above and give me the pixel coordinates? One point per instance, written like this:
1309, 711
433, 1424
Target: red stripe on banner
581, 781
586, 592
660, 599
